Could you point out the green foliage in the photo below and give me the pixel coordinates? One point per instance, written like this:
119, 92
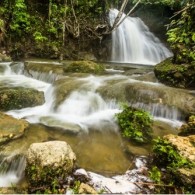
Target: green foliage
76, 187
45, 180
39, 37
21, 19
155, 174
167, 156
181, 35
135, 124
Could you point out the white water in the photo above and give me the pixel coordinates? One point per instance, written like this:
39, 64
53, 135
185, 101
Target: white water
14, 173
132, 42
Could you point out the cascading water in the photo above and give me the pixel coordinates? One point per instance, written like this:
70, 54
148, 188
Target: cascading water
82, 110
132, 42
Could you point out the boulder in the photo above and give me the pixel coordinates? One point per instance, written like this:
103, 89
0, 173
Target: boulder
177, 75
11, 128
19, 97
147, 93
64, 87
49, 162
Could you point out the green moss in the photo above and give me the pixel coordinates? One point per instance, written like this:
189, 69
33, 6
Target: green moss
167, 156
45, 179
182, 75
17, 98
135, 124
178, 172
85, 67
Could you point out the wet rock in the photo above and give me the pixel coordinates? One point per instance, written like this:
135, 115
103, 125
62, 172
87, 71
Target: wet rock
19, 97
46, 67
187, 176
140, 93
45, 71
11, 128
48, 162
63, 88
67, 126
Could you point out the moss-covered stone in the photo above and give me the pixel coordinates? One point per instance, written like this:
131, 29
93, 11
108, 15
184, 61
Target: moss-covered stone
18, 97
48, 165
182, 75
177, 155
85, 67
44, 67
189, 128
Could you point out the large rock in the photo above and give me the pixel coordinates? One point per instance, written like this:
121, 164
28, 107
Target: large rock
185, 146
11, 128
64, 87
19, 97
46, 71
48, 162
139, 92
181, 75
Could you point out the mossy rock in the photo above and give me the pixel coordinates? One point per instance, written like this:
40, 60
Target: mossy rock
189, 128
176, 75
44, 67
48, 165
4, 58
19, 97
11, 128
64, 87
85, 67
177, 155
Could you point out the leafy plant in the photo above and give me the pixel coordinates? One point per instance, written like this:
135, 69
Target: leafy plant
155, 174
167, 156
21, 19
181, 35
135, 123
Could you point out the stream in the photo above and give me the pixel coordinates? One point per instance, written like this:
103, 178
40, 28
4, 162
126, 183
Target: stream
85, 118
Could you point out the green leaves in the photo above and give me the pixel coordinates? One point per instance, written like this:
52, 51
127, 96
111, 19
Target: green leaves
135, 124
181, 35
167, 155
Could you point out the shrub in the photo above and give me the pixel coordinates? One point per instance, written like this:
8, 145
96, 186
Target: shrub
135, 124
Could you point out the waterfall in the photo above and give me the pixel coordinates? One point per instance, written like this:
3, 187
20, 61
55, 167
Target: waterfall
132, 42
